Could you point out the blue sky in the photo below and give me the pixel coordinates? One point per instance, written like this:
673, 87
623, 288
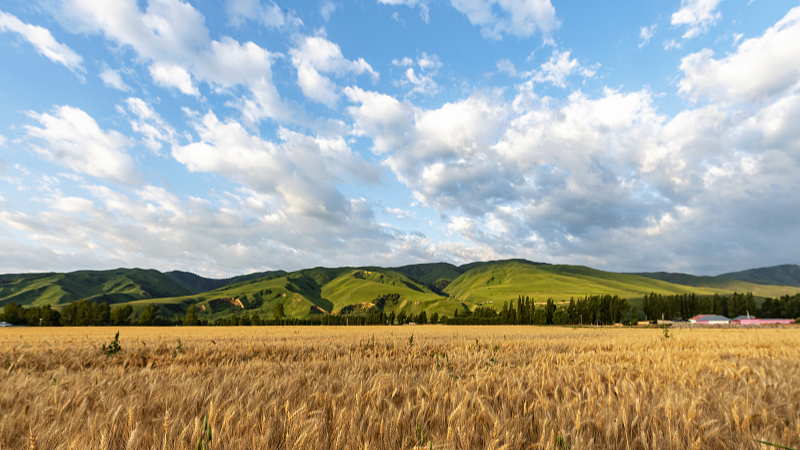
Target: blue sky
230, 137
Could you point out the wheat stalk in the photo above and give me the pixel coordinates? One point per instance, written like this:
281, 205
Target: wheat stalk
32, 440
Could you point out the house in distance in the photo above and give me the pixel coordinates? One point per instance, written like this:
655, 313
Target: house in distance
710, 319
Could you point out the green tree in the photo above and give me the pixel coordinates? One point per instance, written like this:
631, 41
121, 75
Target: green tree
191, 316
120, 315
435, 317
539, 316
101, 314
559, 317
50, 317
278, 311
14, 314
148, 316
550, 309
422, 318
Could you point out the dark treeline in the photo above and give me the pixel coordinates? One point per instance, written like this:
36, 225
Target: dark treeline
79, 313
595, 309
787, 307
590, 310
686, 306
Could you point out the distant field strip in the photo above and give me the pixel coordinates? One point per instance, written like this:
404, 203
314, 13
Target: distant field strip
400, 388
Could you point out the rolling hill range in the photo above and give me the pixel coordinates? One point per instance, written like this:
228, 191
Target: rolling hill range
785, 275
436, 287
723, 283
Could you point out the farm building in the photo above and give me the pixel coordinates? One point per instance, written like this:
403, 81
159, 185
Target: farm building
4, 324
710, 319
750, 320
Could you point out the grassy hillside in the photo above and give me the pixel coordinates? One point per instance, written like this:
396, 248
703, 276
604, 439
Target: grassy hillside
349, 290
308, 292
785, 275
495, 283
427, 274
111, 286
196, 284
721, 284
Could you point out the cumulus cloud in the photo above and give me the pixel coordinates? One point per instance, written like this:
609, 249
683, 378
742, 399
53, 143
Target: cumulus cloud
72, 138
170, 36
399, 213
760, 69
268, 14
326, 9
174, 76
517, 18
506, 66
146, 121
697, 15
556, 70
497, 18
316, 56
424, 10
43, 41
111, 78
647, 33
596, 180
299, 172
421, 80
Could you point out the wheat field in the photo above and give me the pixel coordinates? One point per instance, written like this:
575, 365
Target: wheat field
380, 388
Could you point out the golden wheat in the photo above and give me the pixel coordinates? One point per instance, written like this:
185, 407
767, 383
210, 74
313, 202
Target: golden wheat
369, 387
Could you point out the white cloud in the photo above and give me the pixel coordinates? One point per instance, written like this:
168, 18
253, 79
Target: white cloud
405, 62
589, 71
760, 69
497, 18
647, 33
43, 42
72, 138
510, 17
171, 37
594, 180
506, 66
150, 124
672, 43
316, 56
421, 82
429, 63
697, 15
111, 78
399, 213
299, 173
326, 9
268, 14
556, 70
424, 10
174, 76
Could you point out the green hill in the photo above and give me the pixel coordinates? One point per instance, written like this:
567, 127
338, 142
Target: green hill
313, 291
428, 274
501, 281
785, 275
437, 287
110, 286
196, 284
721, 284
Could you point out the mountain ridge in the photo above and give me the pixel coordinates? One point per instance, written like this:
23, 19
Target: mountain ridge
433, 287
